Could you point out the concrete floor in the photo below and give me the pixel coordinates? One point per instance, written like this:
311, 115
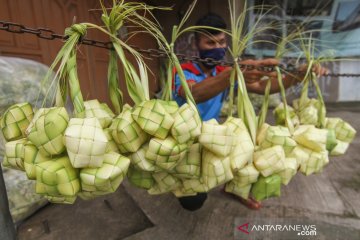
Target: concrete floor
329, 200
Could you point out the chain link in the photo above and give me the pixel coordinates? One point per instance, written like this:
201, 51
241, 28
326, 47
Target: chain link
49, 34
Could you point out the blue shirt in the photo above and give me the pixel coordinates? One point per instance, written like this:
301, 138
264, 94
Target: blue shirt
193, 73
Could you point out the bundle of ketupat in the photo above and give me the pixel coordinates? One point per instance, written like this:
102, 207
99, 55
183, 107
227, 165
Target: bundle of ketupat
158, 145
65, 154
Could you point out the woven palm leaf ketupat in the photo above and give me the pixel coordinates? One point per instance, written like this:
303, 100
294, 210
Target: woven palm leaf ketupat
14, 154
85, 142
190, 165
181, 192
186, 126
170, 107
61, 199
343, 130
340, 148
241, 191
100, 111
165, 182
311, 137
243, 150
331, 140
127, 133
57, 178
279, 114
243, 179
165, 153
246, 176
309, 160
47, 129
32, 156
140, 178
195, 185
218, 139
267, 187
107, 178
308, 115
216, 170
270, 160
138, 159
15, 120
40, 112
153, 118
111, 146
291, 167
276, 135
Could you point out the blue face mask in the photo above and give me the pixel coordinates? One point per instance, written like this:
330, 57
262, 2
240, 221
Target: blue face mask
215, 53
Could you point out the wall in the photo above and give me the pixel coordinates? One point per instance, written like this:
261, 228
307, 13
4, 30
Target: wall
57, 15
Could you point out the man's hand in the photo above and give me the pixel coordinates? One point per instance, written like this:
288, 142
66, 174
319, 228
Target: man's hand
254, 75
317, 69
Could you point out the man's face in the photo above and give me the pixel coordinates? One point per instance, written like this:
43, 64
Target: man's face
206, 42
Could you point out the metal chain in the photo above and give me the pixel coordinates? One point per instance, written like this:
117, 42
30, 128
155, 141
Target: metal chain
49, 34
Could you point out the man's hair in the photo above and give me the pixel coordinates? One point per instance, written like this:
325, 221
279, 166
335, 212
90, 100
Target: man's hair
209, 20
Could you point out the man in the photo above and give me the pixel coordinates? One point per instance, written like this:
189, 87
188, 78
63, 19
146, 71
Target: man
209, 84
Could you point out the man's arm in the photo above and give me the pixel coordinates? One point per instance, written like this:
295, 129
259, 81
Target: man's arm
209, 87
253, 84
259, 86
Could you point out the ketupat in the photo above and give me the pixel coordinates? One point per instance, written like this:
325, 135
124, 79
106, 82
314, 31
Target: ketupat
126, 132
279, 114
270, 160
61, 199
241, 191
32, 156
311, 137
243, 179
47, 129
140, 178
14, 154
216, 170
190, 165
165, 182
243, 149
57, 178
218, 139
196, 185
106, 178
343, 130
187, 126
291, 167
111, 146
15, 120
139, 160
309, 160
85, 142
100, 111
165, 153
340, 148
270, 136
267, 187
153, 118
